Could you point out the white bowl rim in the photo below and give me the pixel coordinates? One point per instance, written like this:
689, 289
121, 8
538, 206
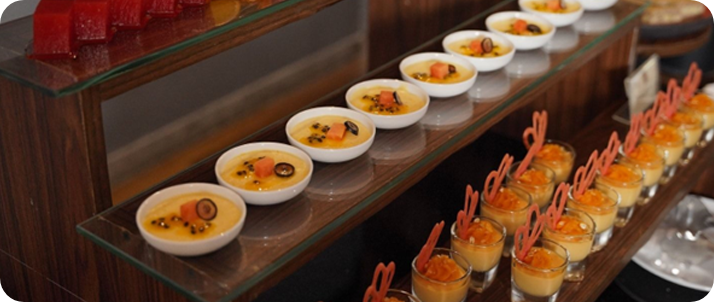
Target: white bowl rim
530, 10
242, 205
390, 117
529, 15
367, 120
296, 151
504, 39
462, 61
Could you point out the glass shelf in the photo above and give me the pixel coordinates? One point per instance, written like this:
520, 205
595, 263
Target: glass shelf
276, 239
129, 49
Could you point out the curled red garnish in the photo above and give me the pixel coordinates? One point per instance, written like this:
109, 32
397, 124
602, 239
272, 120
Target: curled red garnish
524, 240
428, 248
585, 175
556, 208
673, 98
465, 216
691, 81
497, 178
651, 118
634, 134
376, 293
537, 132
607, 157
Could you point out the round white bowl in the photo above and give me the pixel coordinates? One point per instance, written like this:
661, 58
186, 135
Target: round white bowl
196, 247
391, 121
559, 20
522, 42
331, 155
439, 90
595, 5
481, 64
264, 198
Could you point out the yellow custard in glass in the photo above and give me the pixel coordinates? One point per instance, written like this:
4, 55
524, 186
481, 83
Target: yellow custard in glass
483, 247
553, 7
558, 159
446, 272
601, 208
625, 180
164, 220
437, 72
473, 48
538, 184
507, 208
381, 100
704, 105
538, 273
315, 132
520, 27
574, 234
241, 172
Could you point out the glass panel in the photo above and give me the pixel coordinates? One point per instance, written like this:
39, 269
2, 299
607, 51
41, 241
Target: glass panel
339, 193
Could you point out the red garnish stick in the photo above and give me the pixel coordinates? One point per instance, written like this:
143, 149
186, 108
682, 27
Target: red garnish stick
524, 239
497, 178
691, 81
556, 208
465, 216
585, 175
651, 118
377, 294
428, 248
634, 134
607, 157
539, 128
673, 98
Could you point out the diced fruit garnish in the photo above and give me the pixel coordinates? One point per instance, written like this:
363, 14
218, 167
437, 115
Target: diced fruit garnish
284, 170
129, 14
386, 99
554, 5
188, 211
439, 70
337, 132
53, 30
264, 167
475, 46
91, 21
352, 127
520, 26
206, 209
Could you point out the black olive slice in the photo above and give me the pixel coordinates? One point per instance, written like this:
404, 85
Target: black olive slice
534, 29
397, 99
352, 127
452, 68
206, 209
284, 170
487, 45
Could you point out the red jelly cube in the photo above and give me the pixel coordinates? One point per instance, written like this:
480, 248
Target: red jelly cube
129, 14
53, 30
164, 8
91, 21
194, 2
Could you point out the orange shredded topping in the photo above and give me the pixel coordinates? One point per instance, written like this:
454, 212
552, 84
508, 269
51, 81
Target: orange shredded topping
534, 177
483, 232
685, 118
392, 299
541, 258
667, 134
570, 225
622, 173
701, 102
553, 152
645, 153
508, 200
443, 269
596, 198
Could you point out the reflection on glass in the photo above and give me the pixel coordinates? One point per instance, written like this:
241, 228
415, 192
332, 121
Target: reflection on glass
447, 113
528, 64
595, 22
490, 86
565, 39
335, 181
272, 231
395, 146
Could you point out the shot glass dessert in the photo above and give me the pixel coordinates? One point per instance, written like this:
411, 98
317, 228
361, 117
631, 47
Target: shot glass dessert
703, 105
559, 157
691, 124
538, 180
670, 140
601, 205
483, 249
439, 274
626, 180
650, 159
575, 231
509, 208
540, 274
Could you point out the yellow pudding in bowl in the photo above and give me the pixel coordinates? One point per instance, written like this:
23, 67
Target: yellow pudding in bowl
265, 170
445, 279
484, 245
521, 27
557, 156
702, 104
509, 208
479, 48
438, 72
542, 270
554, 6
649, 159
670, 140
538, 180
625, 180
191, 217
330, 132
691, 123
382, 100
601, 207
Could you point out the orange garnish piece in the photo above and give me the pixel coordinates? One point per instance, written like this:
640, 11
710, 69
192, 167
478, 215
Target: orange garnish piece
556, 208
595, 198
621, 173
482, 233
542, 258
465, 216
686, 119
569, 225
443, 269
534, 177
377, 292
585, 175
552, 152
523, 239
520, 26
645, 153
507, 200
607, 157
667, 133
495, 178
701, 102
428, 248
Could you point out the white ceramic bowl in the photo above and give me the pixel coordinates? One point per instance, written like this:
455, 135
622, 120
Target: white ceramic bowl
594, 5
559, 20
439, 90
522, 42
263, 198
331, 155
391, 121
196, 247
481, 64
